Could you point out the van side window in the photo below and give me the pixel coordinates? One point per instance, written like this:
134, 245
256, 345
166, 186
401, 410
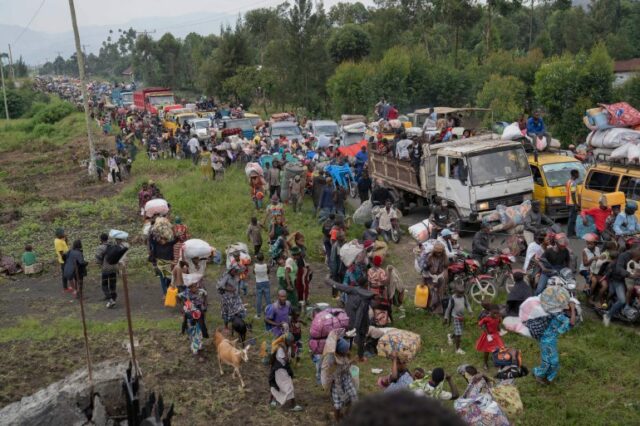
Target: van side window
442, 166
455, 167
603, 182
537, 176
631, 187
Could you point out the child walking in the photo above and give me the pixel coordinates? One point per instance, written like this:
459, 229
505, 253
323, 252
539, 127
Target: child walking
254, 235
490, 339
455, 311
261, 272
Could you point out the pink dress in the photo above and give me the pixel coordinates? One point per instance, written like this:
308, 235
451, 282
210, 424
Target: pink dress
492, 326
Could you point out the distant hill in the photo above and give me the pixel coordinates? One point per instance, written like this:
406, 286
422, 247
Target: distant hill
36, 46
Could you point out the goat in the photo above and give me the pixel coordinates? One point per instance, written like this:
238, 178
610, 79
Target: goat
228, 354
239, 326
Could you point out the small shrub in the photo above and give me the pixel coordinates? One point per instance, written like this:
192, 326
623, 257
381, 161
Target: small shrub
42, 130
53, 113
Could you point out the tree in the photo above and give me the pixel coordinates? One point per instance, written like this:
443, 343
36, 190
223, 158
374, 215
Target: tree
350, 88
342, 14
349, 43
504, 95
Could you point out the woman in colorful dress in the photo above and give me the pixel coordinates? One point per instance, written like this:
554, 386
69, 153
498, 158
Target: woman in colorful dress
194, 308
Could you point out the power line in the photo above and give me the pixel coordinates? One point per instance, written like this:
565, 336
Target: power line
30, 21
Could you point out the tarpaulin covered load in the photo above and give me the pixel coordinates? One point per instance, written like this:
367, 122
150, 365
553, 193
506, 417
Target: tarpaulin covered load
613, 138
358, 127
352, 150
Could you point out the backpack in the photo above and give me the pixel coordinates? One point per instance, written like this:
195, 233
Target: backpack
503, 357
268, 311
114, 253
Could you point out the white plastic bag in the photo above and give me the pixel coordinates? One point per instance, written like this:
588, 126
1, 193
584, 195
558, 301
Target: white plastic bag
620, 152
350, 252
195, 248
511, 132
633, 153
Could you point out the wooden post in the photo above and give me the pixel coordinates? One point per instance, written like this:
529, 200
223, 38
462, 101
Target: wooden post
125, 287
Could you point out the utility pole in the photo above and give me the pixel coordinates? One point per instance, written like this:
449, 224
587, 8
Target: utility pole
4, 90
13, 74
83, 89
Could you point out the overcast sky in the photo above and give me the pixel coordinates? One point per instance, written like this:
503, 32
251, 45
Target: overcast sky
54, 15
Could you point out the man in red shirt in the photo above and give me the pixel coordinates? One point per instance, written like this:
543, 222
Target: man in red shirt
599, 214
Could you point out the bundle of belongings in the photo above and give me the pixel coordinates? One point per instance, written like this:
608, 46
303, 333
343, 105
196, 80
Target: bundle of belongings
513, 132
615, 131
508, 217
536, 312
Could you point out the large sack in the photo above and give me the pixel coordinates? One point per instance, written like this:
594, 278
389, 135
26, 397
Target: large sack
350, 252
511, 132
480, 409
363, 214
355, 128
622, 114
530, 309
118, 235
613, 138
421, 231
195, 248
156, 206
405, 343
253, 169
541, 143
620, 152
317, 346
326, 321
633, 153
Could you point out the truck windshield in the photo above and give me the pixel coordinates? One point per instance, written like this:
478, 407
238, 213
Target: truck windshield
325, 130
349, 139
559, 173
127, 97
244, 124
292, 130
161, 100
497, 166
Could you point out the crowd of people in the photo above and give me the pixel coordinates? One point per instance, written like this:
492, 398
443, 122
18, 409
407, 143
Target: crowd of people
364, 285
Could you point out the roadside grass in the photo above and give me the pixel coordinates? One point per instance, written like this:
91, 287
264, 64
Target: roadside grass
21, 134
33, 329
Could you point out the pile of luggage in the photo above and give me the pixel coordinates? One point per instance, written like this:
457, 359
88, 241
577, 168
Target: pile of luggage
615, 131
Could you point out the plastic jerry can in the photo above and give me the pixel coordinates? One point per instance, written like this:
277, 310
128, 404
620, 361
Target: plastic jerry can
422, 296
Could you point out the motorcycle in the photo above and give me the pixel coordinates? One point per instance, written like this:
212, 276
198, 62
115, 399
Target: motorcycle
498, 265
464, 271
631, 312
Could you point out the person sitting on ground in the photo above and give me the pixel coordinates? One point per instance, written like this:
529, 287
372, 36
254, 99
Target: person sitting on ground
400, 377
434, 386
30, 262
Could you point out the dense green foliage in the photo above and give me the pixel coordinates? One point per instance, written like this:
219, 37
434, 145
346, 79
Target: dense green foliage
415, 53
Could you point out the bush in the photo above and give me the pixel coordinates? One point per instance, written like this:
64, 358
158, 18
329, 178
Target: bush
53, 113
36, 107
42, 130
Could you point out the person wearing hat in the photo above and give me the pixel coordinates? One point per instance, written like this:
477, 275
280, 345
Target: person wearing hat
599, 214
446, 238
296, 193
61, 248
534, 221
336, 375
